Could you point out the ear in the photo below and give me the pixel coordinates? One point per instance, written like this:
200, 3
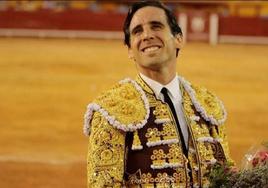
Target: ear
178, 41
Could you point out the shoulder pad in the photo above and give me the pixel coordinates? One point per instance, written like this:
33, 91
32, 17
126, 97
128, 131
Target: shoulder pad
125, 107
206, 103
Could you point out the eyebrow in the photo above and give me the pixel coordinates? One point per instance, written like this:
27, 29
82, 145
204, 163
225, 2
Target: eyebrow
136, 28
156, 23
151, 23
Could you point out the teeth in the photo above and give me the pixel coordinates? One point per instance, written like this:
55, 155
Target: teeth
153, 48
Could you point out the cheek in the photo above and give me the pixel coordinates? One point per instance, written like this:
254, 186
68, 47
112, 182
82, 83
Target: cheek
163, 38
135, 42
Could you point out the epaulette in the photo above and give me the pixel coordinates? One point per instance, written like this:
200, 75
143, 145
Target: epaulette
124, 106
206, 103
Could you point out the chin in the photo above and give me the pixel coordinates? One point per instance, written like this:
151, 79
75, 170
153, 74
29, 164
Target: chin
155, 65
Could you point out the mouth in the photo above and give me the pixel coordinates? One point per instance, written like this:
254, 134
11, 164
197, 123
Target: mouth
151, 48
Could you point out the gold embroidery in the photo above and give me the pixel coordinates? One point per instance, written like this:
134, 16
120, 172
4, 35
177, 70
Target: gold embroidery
105, 154
161, 111
151, 99
192, 158
169, 132
205, 151
161, 180
200, 130
167, 136
214, 132
146, 178
175, 156
212, 106
173, 159
124, 102
224, 143
158, 159
201, 152
180, 176
187, 104
209, 102
136, 145
144, 86
106, 146
153, 135
149, 185
164, 179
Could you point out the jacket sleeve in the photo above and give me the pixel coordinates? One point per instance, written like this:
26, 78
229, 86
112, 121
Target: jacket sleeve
224, 143
105, 161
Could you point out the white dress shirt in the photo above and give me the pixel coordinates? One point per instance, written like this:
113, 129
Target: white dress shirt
175, 95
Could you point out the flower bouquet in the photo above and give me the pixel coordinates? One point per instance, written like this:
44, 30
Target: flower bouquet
253, 173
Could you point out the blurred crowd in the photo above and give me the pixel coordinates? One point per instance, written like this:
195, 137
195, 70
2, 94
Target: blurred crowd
233, 8
95, 6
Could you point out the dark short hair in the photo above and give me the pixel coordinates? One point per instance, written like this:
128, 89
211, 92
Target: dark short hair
171, 18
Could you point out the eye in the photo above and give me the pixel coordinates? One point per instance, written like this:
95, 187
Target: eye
156, 27
136, 30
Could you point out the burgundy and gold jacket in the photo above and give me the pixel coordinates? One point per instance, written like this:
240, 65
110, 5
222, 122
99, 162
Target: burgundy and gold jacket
134, 140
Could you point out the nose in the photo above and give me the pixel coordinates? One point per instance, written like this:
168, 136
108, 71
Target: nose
147, 34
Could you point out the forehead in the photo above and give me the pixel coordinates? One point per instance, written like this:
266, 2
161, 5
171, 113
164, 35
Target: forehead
146, 15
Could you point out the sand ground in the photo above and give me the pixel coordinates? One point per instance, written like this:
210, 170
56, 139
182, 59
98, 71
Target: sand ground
45, 85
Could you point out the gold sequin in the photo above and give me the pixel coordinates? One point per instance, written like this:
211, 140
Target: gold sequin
136, 145
161, 111
209, 102
124, 102
153, 135
169, 132
105, 154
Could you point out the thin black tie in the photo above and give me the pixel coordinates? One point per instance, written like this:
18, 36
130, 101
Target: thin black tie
167, 99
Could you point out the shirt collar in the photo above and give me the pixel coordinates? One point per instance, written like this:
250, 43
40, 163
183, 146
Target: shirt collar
173, 87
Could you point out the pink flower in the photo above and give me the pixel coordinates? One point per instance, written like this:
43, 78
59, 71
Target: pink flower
260, 158
255, 161
263, 156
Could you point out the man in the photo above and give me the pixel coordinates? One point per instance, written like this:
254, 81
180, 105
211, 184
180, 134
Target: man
157, 130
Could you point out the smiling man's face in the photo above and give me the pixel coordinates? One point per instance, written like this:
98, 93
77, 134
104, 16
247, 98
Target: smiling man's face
152, 44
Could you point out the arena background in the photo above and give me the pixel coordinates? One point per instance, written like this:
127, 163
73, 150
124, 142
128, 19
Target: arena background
51, 69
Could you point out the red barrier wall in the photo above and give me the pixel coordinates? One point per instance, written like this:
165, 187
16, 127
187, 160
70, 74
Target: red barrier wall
65, 20
243, 26
109, 21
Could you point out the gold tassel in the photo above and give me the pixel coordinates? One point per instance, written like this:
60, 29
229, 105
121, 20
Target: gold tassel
136, 145
214, 132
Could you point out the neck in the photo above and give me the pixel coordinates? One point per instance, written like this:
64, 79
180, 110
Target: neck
161, 76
